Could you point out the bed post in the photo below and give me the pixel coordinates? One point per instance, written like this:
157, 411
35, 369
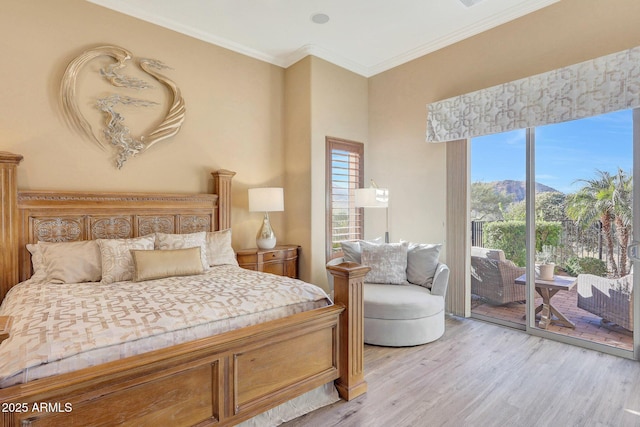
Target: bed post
8, 221
348, 288
222, 187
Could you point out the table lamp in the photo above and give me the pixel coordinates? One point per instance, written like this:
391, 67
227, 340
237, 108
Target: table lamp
374, 197
268, 199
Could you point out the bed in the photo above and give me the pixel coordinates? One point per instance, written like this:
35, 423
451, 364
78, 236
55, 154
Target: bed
211, 379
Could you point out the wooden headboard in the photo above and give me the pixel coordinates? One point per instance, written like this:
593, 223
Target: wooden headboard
55, 216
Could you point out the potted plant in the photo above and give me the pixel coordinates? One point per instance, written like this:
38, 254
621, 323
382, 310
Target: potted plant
545, 262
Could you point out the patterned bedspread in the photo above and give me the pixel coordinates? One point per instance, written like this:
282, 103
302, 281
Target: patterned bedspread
60, 328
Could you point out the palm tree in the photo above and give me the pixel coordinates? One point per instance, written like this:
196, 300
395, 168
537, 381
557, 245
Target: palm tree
622, 205
594, 202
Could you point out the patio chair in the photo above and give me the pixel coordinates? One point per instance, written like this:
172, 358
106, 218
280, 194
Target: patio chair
610, 299
493, 277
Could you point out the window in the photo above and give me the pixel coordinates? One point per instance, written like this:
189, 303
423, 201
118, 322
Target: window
344, 173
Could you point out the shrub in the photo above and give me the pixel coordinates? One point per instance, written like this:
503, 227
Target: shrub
510, 236
586, 265
547, 234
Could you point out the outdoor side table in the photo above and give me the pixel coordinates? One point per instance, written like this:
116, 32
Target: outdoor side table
547, 289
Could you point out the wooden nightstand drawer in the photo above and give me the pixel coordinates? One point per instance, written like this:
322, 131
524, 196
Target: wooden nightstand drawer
281, 260
246, 260
273, 255
274, 268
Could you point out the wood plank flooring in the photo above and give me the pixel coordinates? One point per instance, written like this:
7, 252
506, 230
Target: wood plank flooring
479, 374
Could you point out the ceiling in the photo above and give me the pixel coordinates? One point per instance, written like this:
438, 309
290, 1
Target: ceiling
364, 36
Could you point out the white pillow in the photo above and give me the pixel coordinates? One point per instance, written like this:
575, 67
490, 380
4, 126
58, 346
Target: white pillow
388, 262
422, 261
117, 262
219, 250
352, 251
184, 241
71, 262
39, 271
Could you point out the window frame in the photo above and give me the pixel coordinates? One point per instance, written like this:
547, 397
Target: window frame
356, 215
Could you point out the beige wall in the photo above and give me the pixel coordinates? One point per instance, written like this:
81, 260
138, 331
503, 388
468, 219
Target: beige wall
565, 33
233, 120
339, 108
298, 160
321, 100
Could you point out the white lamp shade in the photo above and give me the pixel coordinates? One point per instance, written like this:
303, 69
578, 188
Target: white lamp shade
268, 199
372, 197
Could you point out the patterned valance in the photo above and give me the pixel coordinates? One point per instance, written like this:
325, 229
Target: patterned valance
590, 88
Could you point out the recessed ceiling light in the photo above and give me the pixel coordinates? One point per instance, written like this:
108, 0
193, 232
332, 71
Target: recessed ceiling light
320, 18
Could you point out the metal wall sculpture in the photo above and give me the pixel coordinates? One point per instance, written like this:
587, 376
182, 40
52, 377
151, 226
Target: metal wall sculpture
115, 132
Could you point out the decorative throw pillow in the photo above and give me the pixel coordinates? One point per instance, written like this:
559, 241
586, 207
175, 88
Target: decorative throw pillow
149, 265
71, 262
117, 262
184, 241
39, 272
422, 261
352, 251
219, 250
388, 262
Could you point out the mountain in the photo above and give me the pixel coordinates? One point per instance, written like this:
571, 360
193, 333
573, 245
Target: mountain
517, 188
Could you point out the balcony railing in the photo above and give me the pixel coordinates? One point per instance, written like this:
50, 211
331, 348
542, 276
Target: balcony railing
574, 241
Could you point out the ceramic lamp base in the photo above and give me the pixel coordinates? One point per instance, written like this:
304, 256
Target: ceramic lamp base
266, 243
266, 238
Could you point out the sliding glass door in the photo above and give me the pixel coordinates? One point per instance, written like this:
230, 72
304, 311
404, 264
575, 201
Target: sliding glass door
557, 203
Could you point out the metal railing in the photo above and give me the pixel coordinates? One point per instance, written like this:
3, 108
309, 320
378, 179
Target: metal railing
574, 241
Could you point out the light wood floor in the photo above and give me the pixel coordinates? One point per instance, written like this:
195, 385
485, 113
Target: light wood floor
479, 374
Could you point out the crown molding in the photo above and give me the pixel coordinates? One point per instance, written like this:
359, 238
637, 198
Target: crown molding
287, 60
122, 7
456, 36
328, 56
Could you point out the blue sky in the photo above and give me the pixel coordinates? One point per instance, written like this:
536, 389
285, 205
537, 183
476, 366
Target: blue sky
565, 152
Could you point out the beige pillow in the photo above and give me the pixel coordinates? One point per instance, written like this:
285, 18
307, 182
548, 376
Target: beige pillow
117, 262
149, 265
219, 250
39, 271
184, 241
388, 262
71, 262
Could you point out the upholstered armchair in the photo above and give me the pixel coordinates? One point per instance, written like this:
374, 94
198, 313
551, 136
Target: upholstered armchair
610, 299
493, 277
406, 313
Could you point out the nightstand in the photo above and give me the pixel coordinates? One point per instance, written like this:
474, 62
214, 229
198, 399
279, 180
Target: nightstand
281, 260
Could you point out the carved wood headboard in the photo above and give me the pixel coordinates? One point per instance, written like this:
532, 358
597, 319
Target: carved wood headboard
55, 216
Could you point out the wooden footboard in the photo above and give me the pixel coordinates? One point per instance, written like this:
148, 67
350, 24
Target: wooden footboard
220, 380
